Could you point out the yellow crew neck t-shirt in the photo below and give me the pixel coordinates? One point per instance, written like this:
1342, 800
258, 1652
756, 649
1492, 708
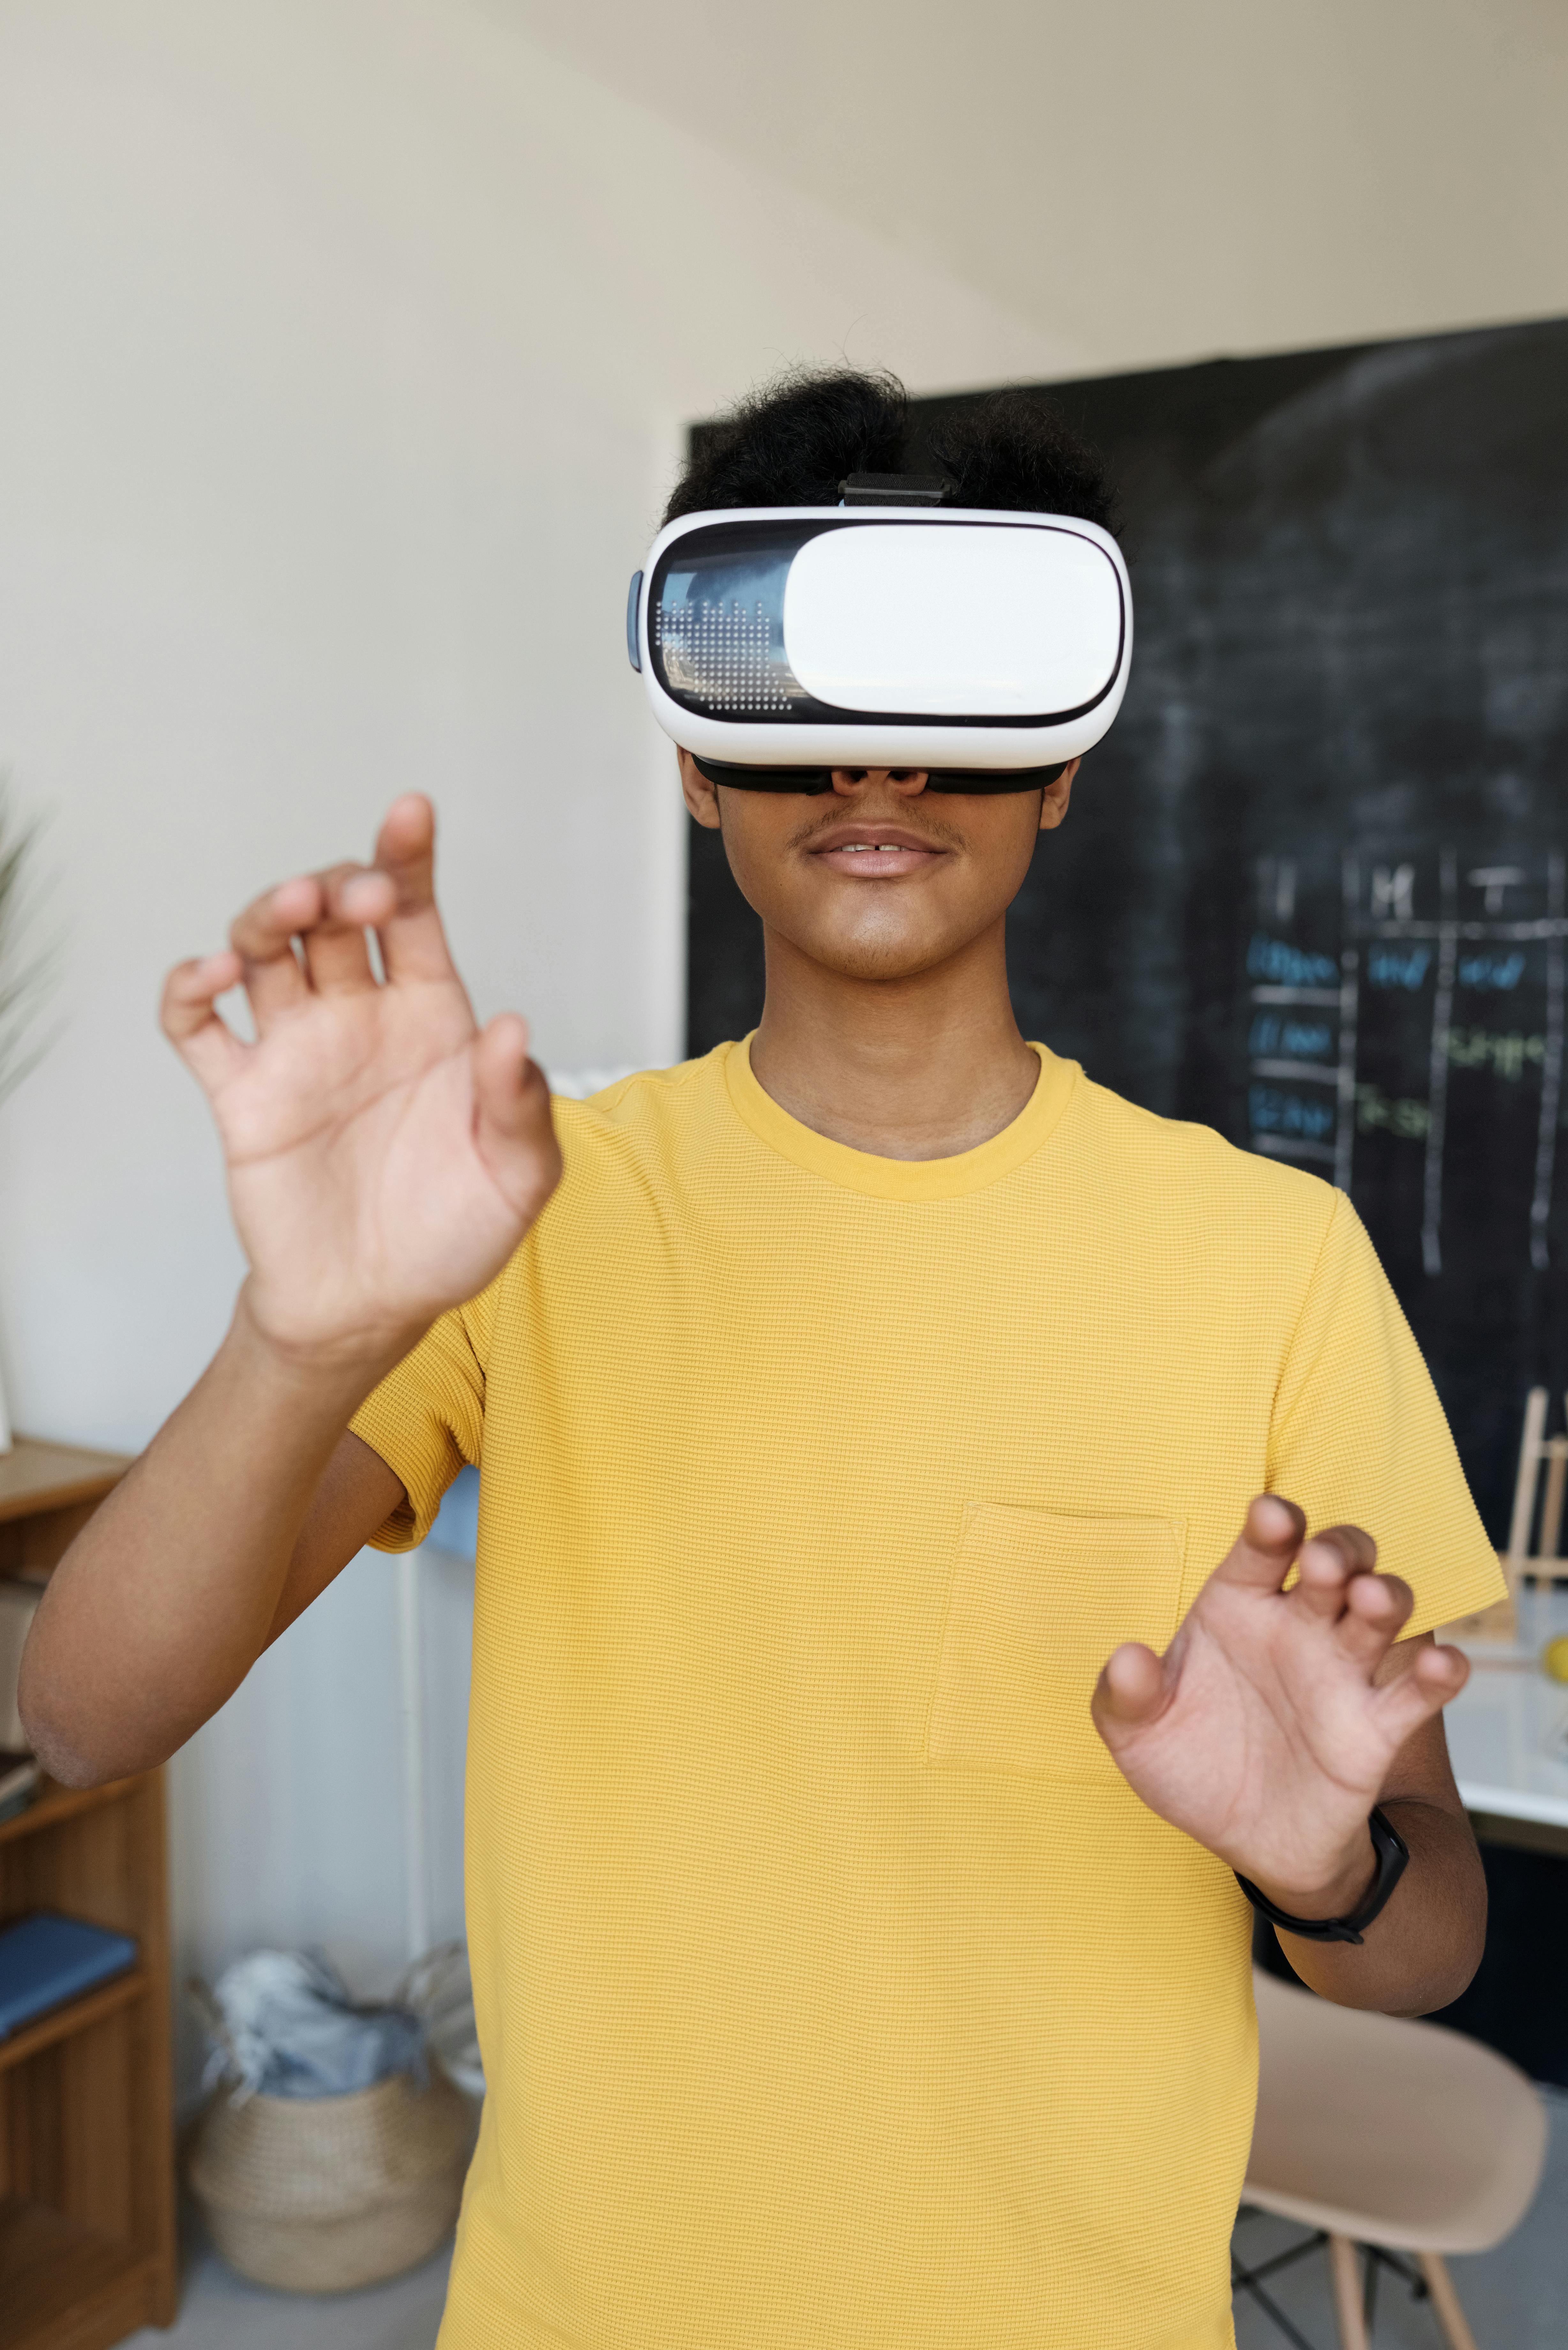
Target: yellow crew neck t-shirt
835, 1991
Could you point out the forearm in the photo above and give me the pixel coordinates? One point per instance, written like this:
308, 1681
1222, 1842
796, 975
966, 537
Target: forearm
166, 1598
1424, 1947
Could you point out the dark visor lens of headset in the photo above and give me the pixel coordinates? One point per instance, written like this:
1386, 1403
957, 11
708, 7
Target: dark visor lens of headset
820, 779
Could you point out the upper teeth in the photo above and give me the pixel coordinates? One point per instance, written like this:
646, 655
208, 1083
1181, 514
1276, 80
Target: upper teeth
853, 847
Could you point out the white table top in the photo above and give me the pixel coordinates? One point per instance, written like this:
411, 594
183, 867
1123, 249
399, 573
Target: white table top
1508, 1727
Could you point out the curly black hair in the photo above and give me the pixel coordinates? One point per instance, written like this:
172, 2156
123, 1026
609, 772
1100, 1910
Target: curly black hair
791, 441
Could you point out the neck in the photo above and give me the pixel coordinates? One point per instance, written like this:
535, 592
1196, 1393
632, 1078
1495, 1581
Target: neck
920, 1068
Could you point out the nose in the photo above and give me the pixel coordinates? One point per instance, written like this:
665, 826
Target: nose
906, 781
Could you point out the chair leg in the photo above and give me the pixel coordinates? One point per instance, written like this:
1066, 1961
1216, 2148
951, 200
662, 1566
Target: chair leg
1346, 2272
1445, 2302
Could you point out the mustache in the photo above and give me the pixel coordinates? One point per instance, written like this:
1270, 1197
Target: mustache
900, 818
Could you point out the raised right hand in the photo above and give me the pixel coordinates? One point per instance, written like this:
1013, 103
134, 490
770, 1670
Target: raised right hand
385, 1155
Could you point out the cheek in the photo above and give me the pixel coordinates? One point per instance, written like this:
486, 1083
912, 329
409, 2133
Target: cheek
1002, 847
755, 847
1015, 835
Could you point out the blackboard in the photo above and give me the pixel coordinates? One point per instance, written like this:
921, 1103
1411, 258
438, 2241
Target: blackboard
1311, 888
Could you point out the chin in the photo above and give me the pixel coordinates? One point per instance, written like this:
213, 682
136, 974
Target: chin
881, 958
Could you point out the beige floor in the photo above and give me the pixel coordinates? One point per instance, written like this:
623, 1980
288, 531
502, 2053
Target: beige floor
1516, 2298
220, 2311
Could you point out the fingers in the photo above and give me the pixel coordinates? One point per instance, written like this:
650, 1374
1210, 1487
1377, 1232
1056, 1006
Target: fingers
1336, 1587
262, 937
1362, 1611
191, 1022
1327, 1565
329, 913
1435, 1675
1376, 1609
413, 943
1131, 1690
1262, 1554
515, 1134
354, 899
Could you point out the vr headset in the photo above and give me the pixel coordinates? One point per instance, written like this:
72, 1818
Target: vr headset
777, 643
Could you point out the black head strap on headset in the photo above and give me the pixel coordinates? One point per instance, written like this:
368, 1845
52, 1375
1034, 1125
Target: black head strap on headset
812, 780
897, 490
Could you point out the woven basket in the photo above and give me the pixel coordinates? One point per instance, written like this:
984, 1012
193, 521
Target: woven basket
322, 2194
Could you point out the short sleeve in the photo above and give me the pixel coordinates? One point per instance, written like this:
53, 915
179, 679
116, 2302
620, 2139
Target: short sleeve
1358, 1436
427, 1418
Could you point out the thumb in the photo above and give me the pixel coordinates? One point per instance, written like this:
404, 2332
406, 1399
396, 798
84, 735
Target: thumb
1131, 1692
512, 1126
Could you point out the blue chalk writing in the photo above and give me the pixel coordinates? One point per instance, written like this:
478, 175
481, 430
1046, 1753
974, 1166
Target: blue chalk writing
1272, 1112
1492, 971
1289, 966
1397, 966
1297, 1040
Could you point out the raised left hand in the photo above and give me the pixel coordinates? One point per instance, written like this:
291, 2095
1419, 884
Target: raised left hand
1264, 1730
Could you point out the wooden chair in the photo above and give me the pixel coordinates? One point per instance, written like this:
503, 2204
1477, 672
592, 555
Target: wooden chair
1390, 2137
1537, 1451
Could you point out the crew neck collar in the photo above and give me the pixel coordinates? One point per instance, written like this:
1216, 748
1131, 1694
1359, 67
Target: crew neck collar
901, 1179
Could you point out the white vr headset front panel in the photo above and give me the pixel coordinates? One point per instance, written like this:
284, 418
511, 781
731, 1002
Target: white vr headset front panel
881, 636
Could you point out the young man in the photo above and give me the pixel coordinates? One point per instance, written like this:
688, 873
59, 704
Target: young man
882, 1671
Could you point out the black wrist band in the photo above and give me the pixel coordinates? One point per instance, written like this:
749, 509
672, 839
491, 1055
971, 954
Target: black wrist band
1393, 1854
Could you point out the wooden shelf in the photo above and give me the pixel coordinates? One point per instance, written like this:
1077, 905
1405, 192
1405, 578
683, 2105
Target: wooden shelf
90, 2007
37, 1476
48, 1493
54, 1803
87, 2139
67, 2285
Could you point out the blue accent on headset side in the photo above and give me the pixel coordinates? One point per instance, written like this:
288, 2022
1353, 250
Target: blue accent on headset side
632, 654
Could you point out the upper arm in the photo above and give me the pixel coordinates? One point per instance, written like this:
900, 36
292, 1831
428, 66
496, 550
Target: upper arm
356, 1496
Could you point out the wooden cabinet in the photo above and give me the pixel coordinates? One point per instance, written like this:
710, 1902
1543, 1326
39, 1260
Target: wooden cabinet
87, 2153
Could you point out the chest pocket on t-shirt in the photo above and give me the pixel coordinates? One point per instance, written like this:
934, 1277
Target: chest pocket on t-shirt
1036, 1604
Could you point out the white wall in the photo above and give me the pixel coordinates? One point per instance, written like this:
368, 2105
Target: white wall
347, 348
1155, 182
